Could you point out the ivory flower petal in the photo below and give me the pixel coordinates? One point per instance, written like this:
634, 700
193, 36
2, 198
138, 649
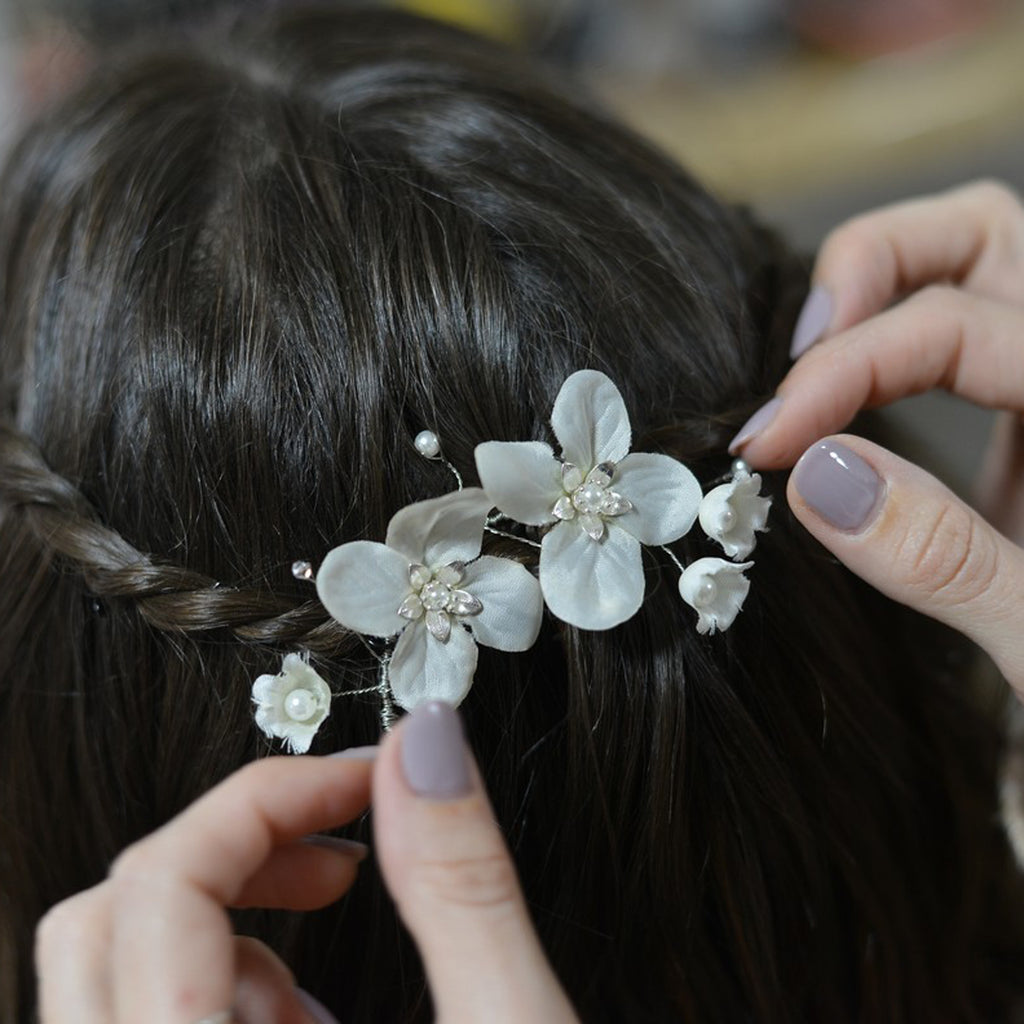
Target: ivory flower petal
732, 513
293, 704
422, 668
522, 478
665, 497
591, 584
589, 419
716, 590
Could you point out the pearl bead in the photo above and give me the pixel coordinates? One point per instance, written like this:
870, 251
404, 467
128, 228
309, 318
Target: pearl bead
706, 592
435, 596
727, 519
740, 467
300, 705
427, 444
588, 498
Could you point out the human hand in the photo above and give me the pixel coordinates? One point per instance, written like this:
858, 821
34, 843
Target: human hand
450, 873
954, 267
154, 943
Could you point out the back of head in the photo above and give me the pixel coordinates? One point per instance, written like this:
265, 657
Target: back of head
236, 278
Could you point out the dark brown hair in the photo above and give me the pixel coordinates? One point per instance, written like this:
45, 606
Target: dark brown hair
236, 278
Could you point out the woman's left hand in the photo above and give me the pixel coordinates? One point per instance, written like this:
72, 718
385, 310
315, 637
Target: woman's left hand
154, 942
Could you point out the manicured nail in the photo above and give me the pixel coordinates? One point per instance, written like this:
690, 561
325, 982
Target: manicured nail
316, 1010
755, 424
839, 485
434, 756
350, 847
357, 754
812, 322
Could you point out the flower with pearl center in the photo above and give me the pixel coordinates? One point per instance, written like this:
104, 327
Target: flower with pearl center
716, 590
292, 705
600, 502
429, 585
733, 513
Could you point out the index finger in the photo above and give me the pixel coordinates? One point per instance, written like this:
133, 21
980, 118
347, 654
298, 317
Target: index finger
939, 337
971, 236
173, 949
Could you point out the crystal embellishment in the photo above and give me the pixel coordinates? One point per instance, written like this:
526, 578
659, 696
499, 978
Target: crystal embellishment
436, 598
589, 499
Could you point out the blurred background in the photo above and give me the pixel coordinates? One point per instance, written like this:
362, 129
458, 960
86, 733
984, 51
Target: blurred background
808, 110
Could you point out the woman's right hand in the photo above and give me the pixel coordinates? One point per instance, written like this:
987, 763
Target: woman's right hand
915, 296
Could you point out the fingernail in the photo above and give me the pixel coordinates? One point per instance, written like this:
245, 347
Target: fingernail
350, 847
812, 322
434, 756
316, 1010
357, 753
838, 484
755, 424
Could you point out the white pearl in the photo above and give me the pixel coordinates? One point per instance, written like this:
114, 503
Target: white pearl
740, 467
589, 498
727, 520
300, 705
706, 592
427, 444
435, 596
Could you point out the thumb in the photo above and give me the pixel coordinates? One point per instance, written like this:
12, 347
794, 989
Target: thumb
447, 867
909, 536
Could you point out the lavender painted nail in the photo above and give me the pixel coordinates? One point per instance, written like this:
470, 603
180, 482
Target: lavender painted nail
839, 485
316, 1010
755, 424
350, 847
435, 760
813, 321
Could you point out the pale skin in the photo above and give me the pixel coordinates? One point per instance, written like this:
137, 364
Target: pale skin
154, 942
926, 294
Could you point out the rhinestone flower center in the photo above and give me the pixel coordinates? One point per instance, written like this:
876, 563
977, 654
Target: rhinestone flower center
589, 500
437, 598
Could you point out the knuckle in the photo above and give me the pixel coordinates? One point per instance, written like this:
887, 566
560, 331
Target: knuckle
995, 196
485, 882
949, 559
67, 925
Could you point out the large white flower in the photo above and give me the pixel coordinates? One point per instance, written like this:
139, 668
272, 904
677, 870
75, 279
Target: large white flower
733, 512
604, 502
428, 582
292, 705
716, 590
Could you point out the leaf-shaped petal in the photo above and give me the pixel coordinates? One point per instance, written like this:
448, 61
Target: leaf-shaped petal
423, 669
441, 530
521, 478
589, 419
665, 496
439, 624
591, 584
512, 603
362, 585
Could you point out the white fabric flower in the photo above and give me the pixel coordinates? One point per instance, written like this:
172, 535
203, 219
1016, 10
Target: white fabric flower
292, 705
716, 589
604, 502
428, 582
731, 514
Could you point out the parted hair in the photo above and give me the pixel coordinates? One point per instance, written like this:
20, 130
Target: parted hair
237, 275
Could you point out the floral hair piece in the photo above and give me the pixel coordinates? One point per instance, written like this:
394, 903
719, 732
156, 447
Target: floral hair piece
432, 597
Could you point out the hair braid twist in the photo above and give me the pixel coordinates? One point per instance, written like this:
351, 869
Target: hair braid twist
168, 597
